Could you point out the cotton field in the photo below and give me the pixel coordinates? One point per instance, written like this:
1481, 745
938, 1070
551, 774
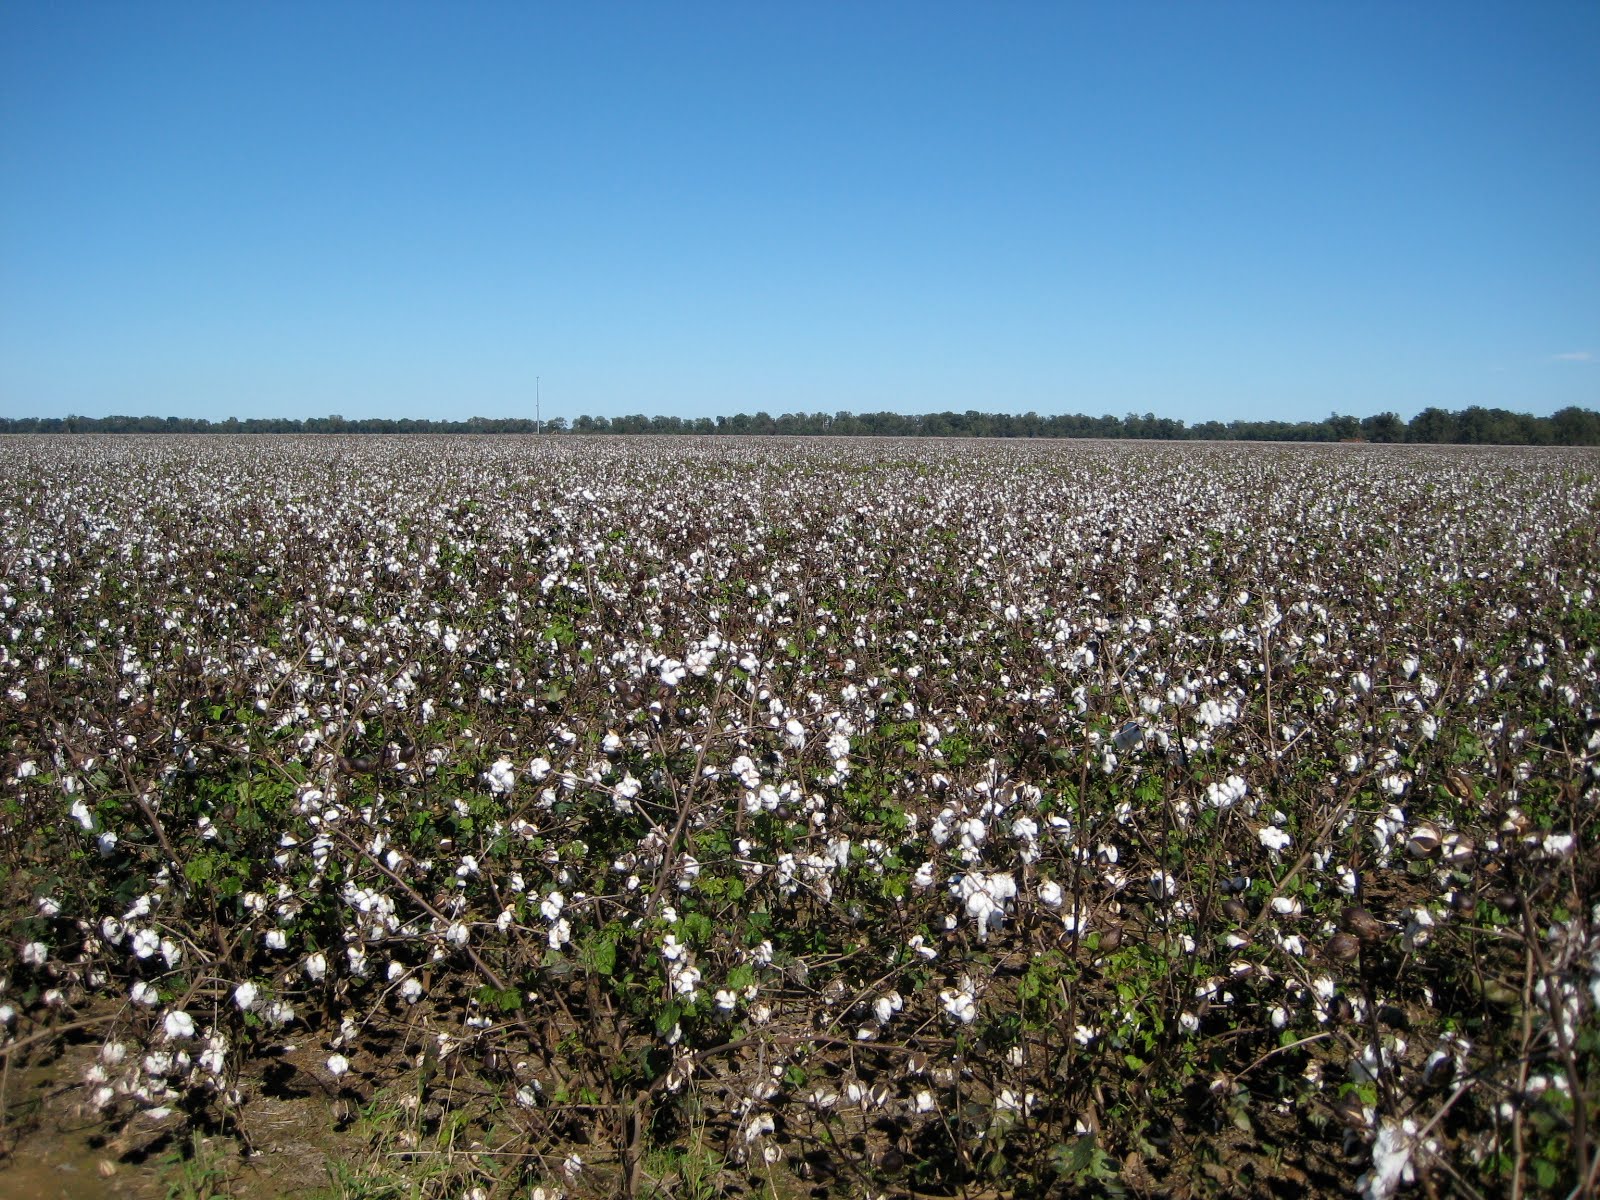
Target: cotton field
874, 816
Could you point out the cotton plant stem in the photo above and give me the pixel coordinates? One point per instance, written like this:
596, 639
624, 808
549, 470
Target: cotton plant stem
1519, 1151
1575, 1079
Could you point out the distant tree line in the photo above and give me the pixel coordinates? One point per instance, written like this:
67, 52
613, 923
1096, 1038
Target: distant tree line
1470, 426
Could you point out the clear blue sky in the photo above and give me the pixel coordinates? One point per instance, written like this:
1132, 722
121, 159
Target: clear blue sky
1201, 210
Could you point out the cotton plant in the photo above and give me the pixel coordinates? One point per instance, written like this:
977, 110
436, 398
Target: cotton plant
612, 719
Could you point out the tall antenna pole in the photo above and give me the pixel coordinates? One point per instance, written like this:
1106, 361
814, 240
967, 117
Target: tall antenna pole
538, 425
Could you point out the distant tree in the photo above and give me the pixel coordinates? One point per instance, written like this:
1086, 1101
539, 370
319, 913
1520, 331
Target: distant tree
1383, 427
1475, 426
1575, 427
1485, 426
1432, 425
1340, 428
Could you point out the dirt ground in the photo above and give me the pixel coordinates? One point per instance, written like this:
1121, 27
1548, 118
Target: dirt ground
51, 1148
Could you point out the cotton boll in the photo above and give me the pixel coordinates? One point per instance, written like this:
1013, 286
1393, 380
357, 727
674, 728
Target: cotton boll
1392, 1160
501, 778
1273, 838
959, 1003
279, 1013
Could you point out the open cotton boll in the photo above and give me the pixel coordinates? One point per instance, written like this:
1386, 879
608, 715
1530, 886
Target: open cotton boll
959, 1003
1273, 838
501, 778
1227, 793
1393, 1153
885, 1007
279, 1012
985, 898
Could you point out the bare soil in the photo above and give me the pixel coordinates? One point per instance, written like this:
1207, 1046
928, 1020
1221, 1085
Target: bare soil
54, 1148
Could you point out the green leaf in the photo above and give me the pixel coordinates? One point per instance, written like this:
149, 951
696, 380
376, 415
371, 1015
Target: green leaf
200, 868
667, 1018
602, 953
504, 999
